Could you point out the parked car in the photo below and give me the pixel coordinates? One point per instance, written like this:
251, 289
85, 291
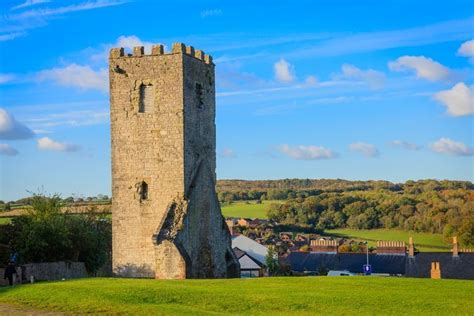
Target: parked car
340, 273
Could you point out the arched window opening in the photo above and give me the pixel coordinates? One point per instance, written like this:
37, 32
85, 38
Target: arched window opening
143, 191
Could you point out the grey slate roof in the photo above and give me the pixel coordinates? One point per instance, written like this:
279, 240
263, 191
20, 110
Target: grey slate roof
461, 267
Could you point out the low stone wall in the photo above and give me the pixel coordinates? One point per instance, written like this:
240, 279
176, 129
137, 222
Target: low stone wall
49, 271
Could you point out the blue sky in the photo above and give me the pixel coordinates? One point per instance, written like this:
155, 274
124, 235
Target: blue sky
307, 89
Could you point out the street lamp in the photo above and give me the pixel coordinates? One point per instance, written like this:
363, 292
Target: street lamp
367, 267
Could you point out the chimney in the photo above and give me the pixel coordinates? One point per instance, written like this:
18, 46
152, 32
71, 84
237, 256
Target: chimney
435, 270
411, 248
455, 247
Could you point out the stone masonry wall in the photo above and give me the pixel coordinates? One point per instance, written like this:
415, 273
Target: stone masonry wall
177, 230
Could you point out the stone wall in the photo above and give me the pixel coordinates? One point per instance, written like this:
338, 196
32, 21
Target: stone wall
177, 229
47, 271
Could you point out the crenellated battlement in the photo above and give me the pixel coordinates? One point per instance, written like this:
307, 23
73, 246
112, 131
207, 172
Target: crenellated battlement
177, 48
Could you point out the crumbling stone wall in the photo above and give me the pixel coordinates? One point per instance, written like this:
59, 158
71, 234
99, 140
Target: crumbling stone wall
175, 229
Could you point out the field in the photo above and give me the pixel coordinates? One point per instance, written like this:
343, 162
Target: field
5, 220
423, 241
248, 209
275, 296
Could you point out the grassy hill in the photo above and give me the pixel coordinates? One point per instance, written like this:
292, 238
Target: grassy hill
423, 241
247, 209
275, 296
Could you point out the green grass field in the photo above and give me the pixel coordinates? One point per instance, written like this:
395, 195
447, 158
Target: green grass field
423, 241
274, 296
250, 209
5, 220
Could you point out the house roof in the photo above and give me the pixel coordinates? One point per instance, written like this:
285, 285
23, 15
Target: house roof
238, 252
246, 261
353, 262
461, 267
251, 247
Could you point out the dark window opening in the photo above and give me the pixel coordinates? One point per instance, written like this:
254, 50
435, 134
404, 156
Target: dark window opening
143, 191
199, 96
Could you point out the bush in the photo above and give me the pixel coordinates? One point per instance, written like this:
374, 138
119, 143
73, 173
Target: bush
47, 235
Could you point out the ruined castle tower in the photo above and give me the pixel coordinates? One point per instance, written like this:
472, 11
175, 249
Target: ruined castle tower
166, 219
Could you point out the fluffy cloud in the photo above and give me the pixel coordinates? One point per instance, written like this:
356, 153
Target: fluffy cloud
424, 67
4, 78
46, 143
11, 128
459, 100
311, 81
405, 145
375, 79
227, 153
448, 146
365, 149
7, 150
284, 71
132, 41
307, 152
467, 50
73, 75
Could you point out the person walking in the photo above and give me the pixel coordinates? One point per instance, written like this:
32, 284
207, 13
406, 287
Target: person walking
9, 272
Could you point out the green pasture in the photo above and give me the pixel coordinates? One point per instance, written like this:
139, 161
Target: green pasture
423, 241
248, 209
262, 296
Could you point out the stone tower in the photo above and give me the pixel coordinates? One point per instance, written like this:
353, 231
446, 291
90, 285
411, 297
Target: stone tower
166, 219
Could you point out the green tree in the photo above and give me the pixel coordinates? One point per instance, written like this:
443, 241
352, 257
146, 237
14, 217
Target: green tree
271, 261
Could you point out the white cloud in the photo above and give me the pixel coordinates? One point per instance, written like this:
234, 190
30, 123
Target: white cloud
424, 67
307, 152
4, 78
467, 50
227, 153
46, 12
210, 12
132, 41
100, 54
375, 79
7, 150
46, 143
29, 3
70, 118
11, 128
405, 145
459, 100
15, 25
311, 81
74, 75
448, 146
284, 71
10, 36
367, 150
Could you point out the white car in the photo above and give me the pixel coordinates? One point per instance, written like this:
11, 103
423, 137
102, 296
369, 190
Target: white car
340, 273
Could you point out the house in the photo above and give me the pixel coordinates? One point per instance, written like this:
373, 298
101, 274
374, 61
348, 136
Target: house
313, 263
249, 266
390, 259
286, 236
251, 247
244, 222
